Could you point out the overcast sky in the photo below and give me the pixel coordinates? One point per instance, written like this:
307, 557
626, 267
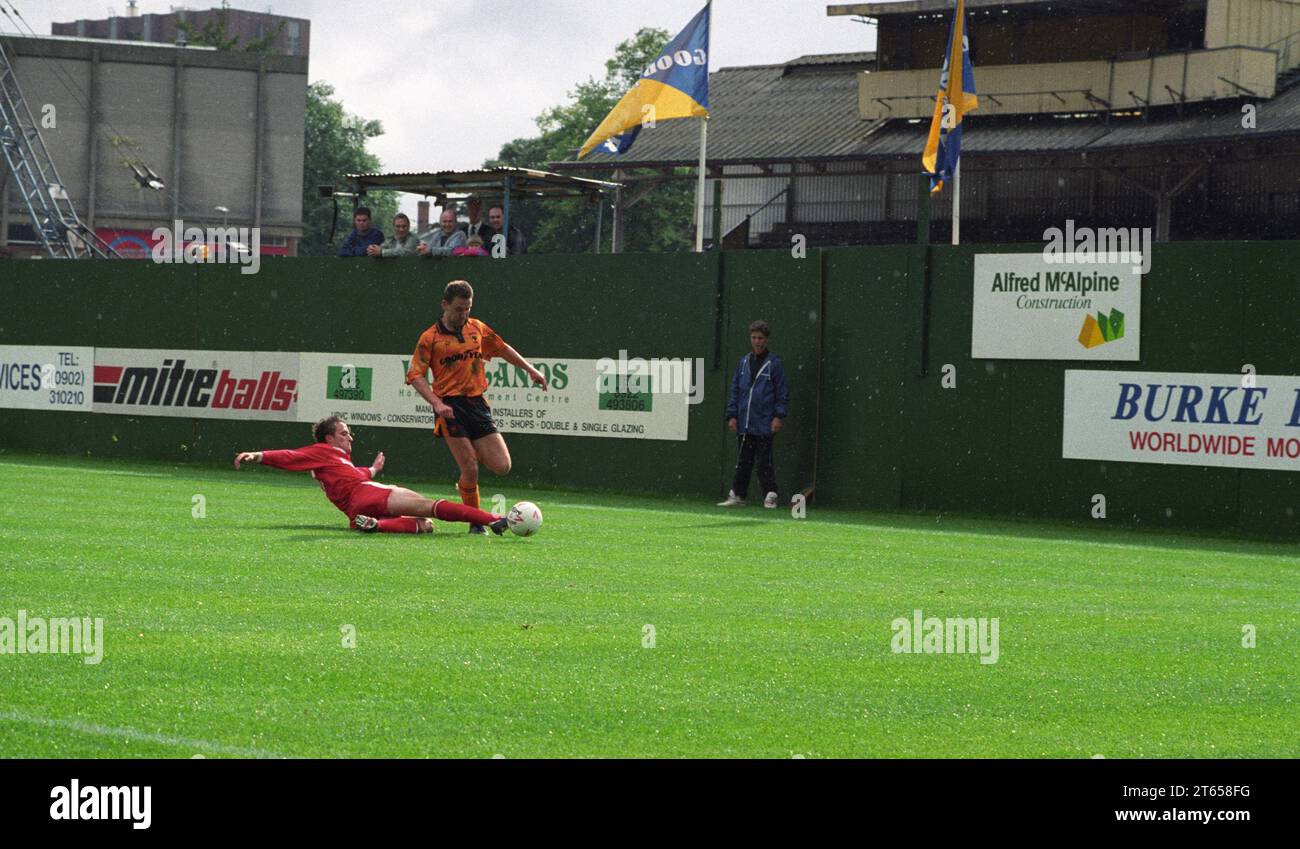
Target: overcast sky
453, 81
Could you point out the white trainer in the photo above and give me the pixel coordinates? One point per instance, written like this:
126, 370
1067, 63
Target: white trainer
366, 525
770, 501
733, 500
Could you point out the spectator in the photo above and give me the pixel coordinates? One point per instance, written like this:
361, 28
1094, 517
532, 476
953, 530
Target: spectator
362, 235
516, 245
758, 402
477, 226
402, 243
445, 239
474, 247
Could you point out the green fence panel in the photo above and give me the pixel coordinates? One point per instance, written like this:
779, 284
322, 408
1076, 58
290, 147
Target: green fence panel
785, 292
871, 332
869, 366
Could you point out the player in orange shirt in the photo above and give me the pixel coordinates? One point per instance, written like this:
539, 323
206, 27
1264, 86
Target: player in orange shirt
455, 350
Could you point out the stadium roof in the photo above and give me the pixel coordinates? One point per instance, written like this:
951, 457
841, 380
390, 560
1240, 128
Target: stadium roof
804, 111
1049, 134
524, 183
910, 7
801, 110
859, 60
923, 7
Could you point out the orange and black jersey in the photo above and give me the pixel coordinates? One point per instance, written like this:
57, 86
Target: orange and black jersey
457, 359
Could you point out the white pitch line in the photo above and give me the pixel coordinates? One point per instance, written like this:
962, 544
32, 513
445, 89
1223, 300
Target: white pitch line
932, 532
683, 512
142, 736
84, 471
943, 532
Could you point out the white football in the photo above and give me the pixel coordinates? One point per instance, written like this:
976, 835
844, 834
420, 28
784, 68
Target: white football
524, 519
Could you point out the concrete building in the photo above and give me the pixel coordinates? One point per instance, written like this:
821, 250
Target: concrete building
293, 39
1179, 115
222, 130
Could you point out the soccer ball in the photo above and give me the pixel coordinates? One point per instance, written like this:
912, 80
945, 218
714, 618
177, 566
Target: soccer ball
524, 519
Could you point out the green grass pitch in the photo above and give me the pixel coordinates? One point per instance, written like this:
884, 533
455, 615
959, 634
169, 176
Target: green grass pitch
224, 635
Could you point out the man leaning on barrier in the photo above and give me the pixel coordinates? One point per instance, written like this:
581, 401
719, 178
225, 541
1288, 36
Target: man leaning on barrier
444, 240
516, 245
402, 243
477, 226
362, 237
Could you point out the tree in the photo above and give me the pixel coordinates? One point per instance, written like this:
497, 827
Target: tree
216, 33
661, 222
334, 145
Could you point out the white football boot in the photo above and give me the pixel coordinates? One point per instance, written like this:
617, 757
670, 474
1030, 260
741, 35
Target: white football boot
770, 501
733, 500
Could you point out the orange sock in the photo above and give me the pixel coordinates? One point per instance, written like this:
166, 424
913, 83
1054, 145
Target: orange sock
468, 495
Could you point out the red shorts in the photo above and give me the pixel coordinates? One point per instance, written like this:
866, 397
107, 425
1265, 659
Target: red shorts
369, 499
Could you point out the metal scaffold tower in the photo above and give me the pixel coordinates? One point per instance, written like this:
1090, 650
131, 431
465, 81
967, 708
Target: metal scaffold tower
52, 214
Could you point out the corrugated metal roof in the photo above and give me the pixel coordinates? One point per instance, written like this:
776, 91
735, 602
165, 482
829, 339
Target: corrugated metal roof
921, 7
1046, 134
833, 59
764, 114
525, 182
996, 135
1279, 116
758, 113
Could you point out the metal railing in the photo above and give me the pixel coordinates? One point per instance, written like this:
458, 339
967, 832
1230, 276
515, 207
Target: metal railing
23, 153
1288, 52
741, 230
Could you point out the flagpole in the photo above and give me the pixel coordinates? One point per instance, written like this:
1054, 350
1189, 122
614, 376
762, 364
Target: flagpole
704, 146
956, 204
699, 188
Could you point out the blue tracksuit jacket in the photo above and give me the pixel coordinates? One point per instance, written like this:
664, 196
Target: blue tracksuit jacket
758, 393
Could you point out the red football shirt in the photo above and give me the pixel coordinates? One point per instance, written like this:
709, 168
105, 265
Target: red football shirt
330, 466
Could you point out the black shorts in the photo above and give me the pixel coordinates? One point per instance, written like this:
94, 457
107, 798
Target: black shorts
473, 418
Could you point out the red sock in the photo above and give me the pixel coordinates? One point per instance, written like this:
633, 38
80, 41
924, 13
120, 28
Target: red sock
450, 511
400, 525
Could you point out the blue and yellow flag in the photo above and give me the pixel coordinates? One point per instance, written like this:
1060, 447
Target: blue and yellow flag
675, 85
956, 97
